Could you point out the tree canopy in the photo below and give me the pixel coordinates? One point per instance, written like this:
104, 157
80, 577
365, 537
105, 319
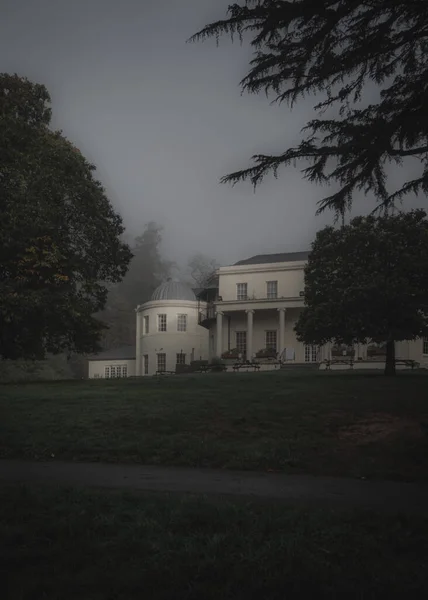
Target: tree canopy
147, 270
332, 49
368, 281
60, 238
201, 268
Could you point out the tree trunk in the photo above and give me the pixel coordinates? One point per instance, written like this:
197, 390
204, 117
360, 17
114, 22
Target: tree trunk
390, 358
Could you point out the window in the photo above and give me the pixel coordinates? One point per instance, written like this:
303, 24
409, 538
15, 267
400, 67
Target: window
113, 371
161, 322
241, 291
181, 359
241, 343
311, 353
425, 346
161, 362
146, 364
272, 289
271, 340
146, 325
181, 322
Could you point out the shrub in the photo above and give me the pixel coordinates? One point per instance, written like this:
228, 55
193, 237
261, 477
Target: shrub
266, 353
234, 353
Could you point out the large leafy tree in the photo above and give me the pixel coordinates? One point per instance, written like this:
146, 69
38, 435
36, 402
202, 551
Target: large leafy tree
368, 281
60, 239
332, 49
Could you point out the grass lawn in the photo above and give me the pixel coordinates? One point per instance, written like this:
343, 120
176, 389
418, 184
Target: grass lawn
362, 425
68, 544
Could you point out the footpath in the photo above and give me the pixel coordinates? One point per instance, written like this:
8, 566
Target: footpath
334, 492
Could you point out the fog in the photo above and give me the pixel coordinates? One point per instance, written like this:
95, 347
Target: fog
164, 120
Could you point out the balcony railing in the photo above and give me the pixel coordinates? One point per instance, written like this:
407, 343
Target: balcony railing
207, 315
260, 298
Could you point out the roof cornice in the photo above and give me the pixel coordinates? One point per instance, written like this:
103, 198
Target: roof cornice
169, 303
265, 268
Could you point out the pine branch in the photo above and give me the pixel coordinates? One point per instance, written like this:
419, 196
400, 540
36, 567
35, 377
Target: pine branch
333, 48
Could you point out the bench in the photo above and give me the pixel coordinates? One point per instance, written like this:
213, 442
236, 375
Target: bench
207, 368
165, 373
239, 366
408, 362
338, 361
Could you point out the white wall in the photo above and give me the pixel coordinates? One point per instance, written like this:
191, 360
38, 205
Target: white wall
96, 368
412, 349
172, 342
290, 277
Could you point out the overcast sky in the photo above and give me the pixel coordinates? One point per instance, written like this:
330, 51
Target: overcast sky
164, 120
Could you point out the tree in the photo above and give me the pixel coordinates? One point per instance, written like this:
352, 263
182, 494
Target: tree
60, 238
333, 48
147, 270
368, 281
201, 267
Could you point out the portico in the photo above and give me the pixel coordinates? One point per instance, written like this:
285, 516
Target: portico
252, 308
250, 330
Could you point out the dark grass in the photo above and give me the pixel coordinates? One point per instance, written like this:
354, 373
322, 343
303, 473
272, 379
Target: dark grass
68, 544
288, 421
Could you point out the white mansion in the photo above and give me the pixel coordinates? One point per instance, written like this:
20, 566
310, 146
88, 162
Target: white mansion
247, 310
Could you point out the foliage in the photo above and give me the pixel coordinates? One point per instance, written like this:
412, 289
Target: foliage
342, 350
59, 235
368, 281
332, 49
217, 361
201, 268
53, 367
233, 353
266, 353
147, 270
20, 370
374, 350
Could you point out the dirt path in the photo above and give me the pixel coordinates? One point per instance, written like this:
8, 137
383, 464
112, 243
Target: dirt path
297, 489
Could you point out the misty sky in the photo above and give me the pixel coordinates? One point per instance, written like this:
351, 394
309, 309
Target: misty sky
164, 120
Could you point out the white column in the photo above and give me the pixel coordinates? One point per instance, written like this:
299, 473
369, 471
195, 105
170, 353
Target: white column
281, 330
138, 343
250, 314
219, 333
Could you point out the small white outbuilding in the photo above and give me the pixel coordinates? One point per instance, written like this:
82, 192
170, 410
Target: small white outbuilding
111, 364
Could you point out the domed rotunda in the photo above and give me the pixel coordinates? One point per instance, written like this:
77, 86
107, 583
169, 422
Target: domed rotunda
168, 332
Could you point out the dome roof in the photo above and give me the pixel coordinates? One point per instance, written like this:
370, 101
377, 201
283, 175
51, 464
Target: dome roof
173, 290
